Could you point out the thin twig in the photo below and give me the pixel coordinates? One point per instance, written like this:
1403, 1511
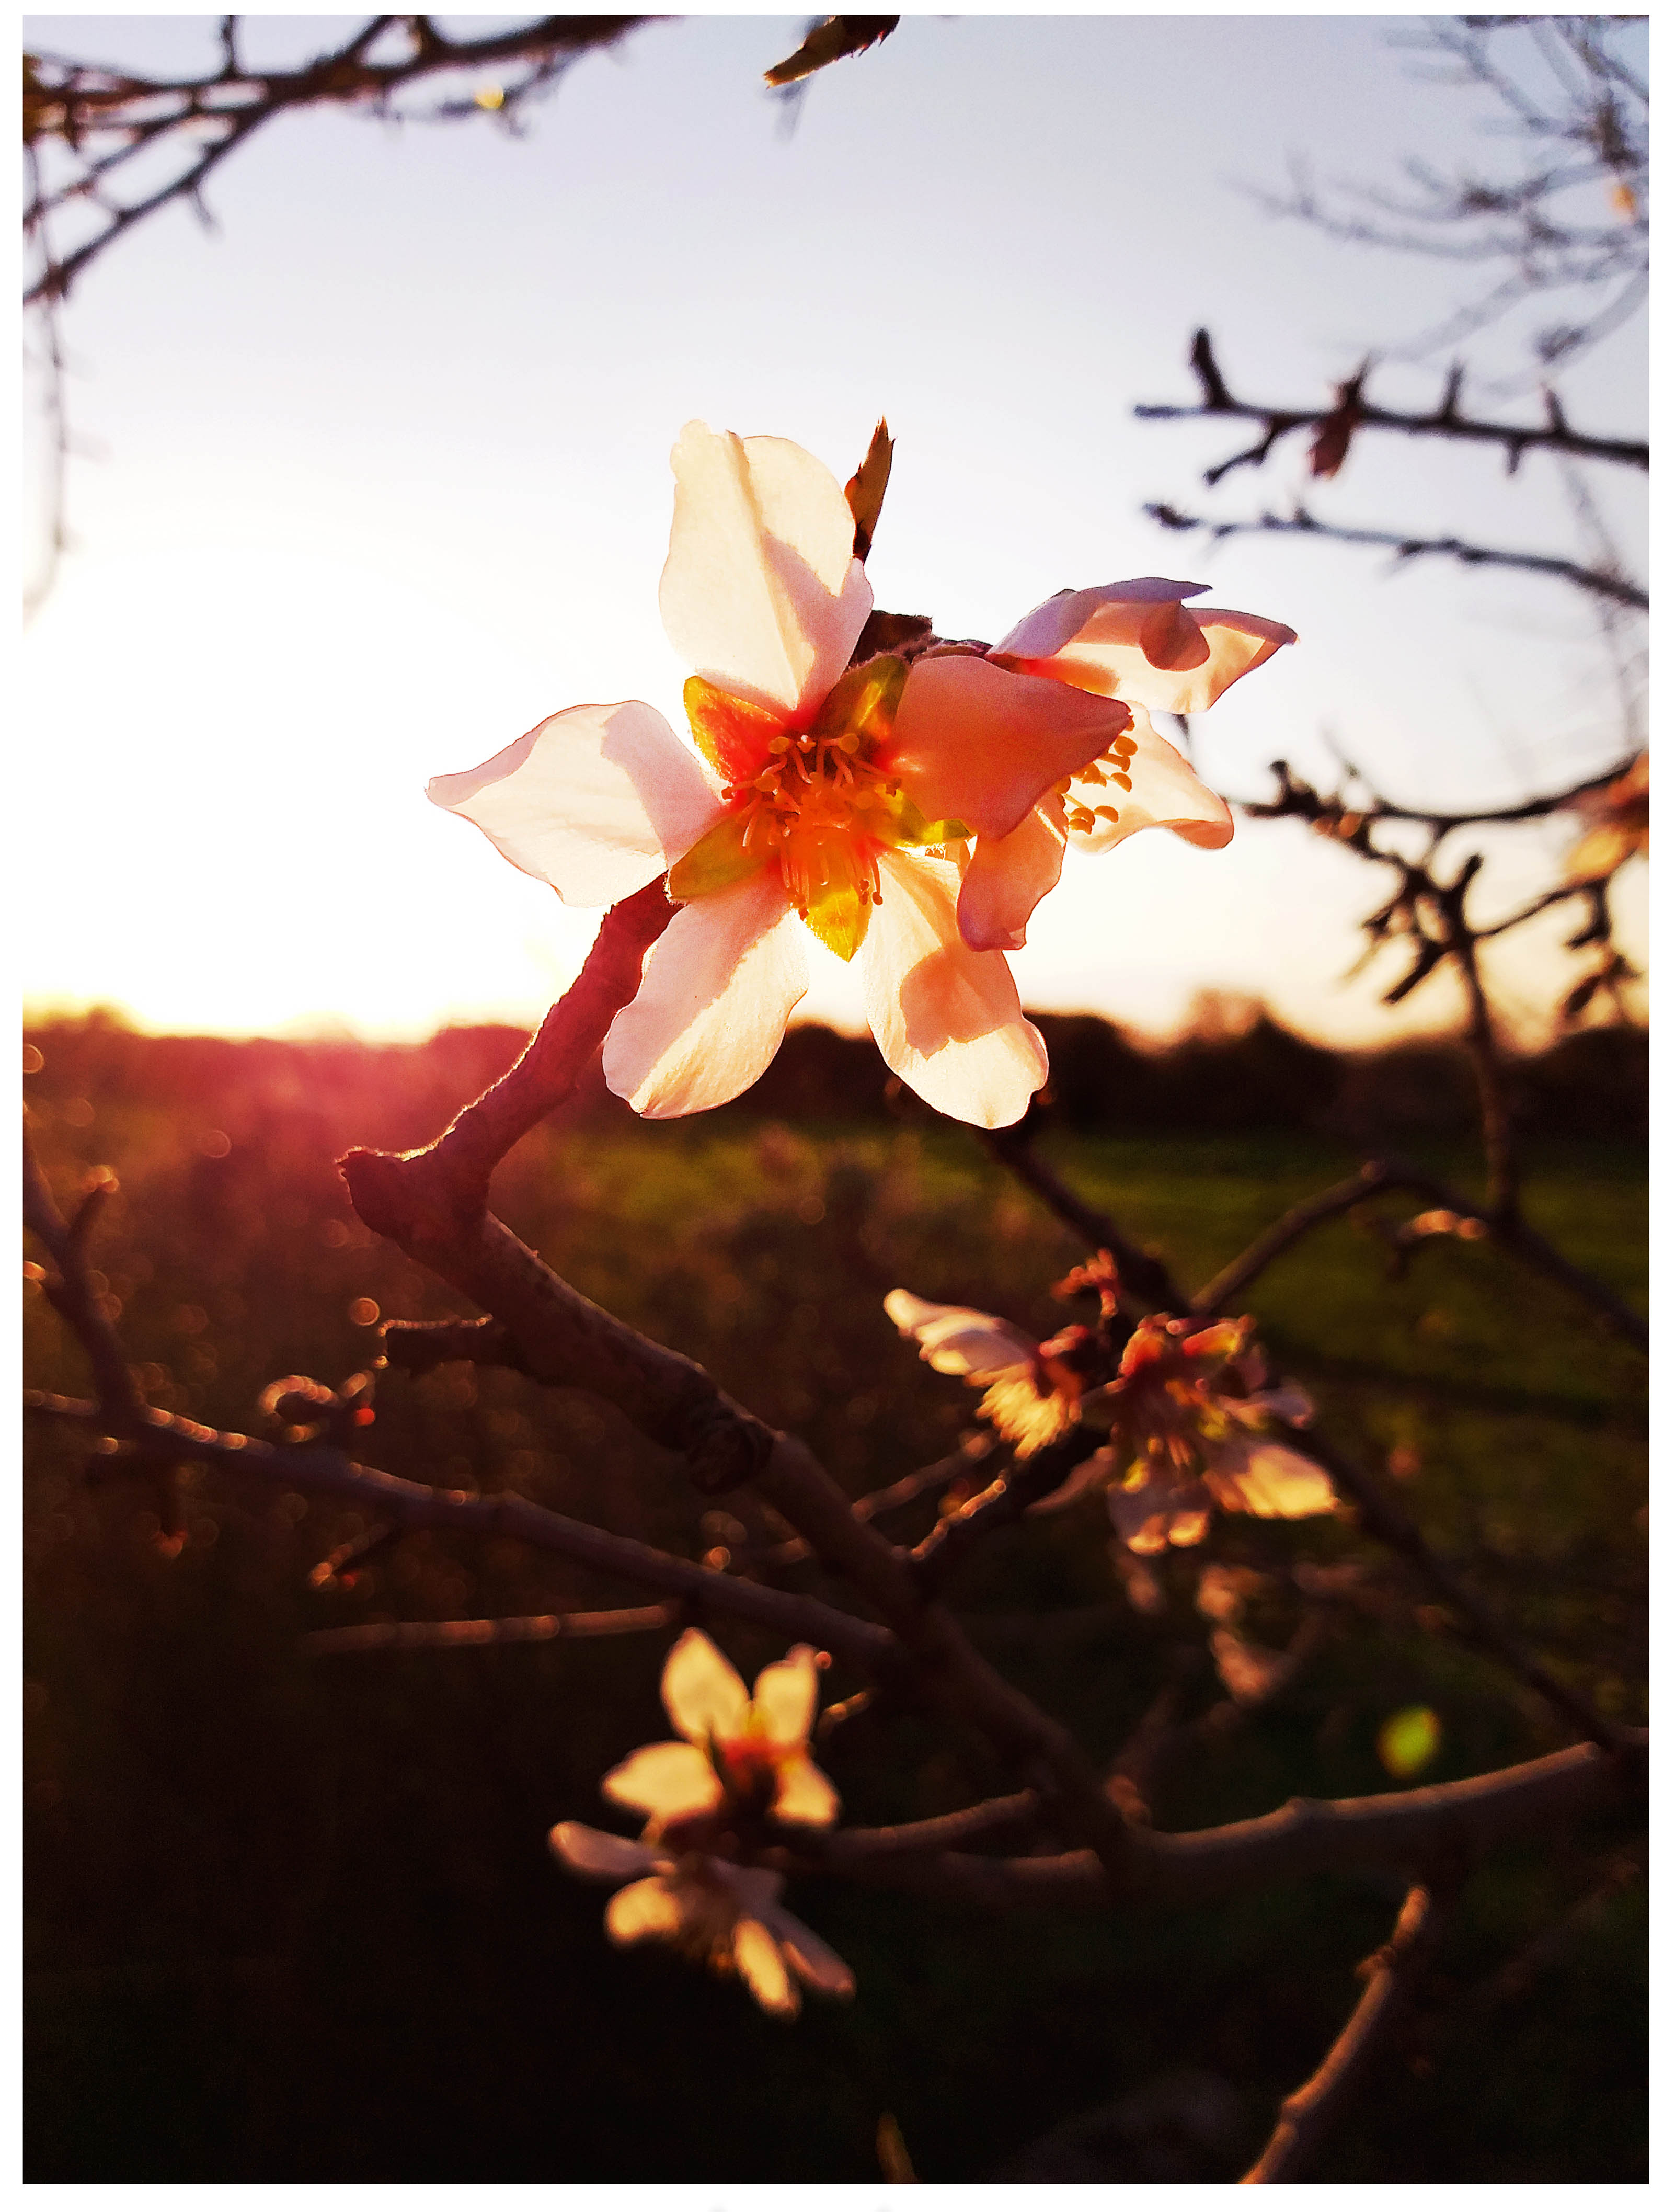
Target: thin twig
463, 1635
1391, 1973
1407, 547
1145, 1279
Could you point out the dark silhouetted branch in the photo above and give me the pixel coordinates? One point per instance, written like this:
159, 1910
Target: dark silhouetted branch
472, 1635
1407, 547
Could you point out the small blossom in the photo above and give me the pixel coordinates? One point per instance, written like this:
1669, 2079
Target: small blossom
739, 1753
1031, 1391
721, 1916
1192, 1429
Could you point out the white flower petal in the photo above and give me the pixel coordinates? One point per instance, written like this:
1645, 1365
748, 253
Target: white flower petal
1286, 1402
762, 1971
667, 1780
762, 594
1166, 794
595, 801
1093, 1474
958, 1339
786, 1695
600, 1856
814, 1961
979, 744
709, 1016
947, 1019
804, 1797
703, 1692
1253, 1475
1007, 878
644, 1911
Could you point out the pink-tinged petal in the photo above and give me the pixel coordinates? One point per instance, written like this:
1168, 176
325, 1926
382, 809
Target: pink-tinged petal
762, 1971
1286, 1403
978, 744
1158, 1514
814, 1961
958, 1339
1269, 1480
600, 1857
719, 989
1007, 877
804, 1795
786, 1695
667, 1780
1173, 659
595, 801
753, 1889
947, 1019
1166, 794
702, 1691
1155, 601
644, 1911
761, 592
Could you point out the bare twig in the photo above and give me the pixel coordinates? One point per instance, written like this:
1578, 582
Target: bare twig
472, 1635
1445, 420
1408, 547
1146, 1282
1391, 1973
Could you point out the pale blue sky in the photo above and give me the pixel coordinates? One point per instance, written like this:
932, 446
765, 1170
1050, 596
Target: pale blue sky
382, 480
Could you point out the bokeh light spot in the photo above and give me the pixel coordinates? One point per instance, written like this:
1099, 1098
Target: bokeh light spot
1408, 1740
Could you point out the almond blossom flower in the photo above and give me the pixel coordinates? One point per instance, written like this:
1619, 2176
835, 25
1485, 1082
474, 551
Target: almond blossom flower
1193, 1428
724, 1916
738, 1751
1031, 1390
742, 1759
818, 795
1140, 643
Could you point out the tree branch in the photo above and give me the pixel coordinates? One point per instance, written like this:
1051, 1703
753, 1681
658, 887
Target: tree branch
1391, 1973
1408, 548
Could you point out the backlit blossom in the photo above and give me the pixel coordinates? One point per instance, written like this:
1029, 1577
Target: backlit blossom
742, 1760
815, 795
1194, 1427
1139, 643
1030, 1390
721, 1916
738, 1751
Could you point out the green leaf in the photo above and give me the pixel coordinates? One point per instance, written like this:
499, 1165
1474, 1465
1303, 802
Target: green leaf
830, 41
717, 860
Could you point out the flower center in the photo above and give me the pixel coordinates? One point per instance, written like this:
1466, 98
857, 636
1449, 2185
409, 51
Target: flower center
814, 803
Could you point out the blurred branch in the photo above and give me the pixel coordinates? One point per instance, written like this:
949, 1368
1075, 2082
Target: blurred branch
1146, 1282
1407, 547
1445, 420
460, 1635
1391, 1974
97, 119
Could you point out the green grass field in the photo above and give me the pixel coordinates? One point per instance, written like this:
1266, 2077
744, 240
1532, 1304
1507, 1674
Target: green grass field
293, 1918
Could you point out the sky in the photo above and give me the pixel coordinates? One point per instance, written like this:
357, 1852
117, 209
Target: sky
374, 477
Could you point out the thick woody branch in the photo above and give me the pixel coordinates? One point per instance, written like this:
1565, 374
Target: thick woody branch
1443, 421
1391, 1973
1407, 547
